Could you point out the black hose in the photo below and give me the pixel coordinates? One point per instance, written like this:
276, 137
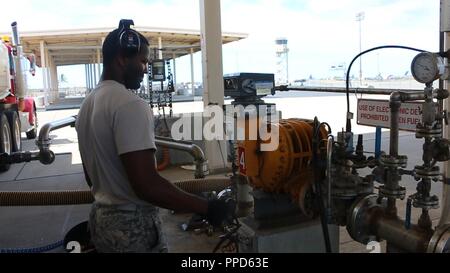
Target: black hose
347, 81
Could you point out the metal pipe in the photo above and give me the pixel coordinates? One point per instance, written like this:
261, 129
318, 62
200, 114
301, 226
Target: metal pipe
19, 76
43, 142
201, 164
393, 178
445, 214
394, 232
44, 133
330, 144
412, 96
394, 103
16, 39
367, 91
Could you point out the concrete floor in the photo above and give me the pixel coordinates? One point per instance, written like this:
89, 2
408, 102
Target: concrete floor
25, 227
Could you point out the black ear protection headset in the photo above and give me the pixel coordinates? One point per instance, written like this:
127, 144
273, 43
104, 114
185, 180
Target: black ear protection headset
129, 40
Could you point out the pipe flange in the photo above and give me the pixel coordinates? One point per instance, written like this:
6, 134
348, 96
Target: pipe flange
351, 192
440, 241
357, 221
344, 193
398, 193
431, 203
436, 134
427, 173
400, 161
423, 131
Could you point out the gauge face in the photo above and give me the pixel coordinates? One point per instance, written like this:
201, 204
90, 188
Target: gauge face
424, 68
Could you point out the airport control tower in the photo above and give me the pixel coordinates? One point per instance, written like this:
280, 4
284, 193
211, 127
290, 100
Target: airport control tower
282, 51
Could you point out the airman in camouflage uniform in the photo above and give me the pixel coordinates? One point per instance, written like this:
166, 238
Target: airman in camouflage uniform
116, 139
132, 230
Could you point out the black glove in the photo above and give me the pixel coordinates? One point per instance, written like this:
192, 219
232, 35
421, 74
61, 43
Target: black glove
219, 211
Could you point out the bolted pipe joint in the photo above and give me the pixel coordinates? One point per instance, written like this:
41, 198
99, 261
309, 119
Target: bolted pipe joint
201, 169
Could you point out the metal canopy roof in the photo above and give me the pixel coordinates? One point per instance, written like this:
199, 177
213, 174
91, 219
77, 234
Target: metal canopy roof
80, 46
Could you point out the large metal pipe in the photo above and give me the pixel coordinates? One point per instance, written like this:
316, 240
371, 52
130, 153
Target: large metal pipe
201, 164
43, 142
393, 230
371, 219
44, 133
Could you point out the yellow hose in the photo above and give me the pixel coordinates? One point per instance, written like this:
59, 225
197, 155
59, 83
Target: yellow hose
10, 199
196, 186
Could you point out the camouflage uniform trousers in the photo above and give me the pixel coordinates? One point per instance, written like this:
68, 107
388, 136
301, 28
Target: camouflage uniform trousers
136, 230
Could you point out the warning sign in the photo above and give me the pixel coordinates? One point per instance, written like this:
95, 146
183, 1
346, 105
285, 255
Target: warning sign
377, 113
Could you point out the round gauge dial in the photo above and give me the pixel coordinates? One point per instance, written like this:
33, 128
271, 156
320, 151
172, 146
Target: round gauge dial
425, 68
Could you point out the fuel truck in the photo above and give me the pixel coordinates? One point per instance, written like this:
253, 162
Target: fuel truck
17, 112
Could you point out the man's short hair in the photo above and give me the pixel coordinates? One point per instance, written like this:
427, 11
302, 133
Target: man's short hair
111, 46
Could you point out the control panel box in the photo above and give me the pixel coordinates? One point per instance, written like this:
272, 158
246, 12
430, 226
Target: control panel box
249, 85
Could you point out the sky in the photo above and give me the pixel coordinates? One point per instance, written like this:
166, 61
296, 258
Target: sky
320, 33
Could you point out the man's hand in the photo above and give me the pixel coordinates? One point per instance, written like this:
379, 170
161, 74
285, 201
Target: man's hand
220, 211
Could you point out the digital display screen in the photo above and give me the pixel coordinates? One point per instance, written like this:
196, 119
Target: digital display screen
263, 88
159, 70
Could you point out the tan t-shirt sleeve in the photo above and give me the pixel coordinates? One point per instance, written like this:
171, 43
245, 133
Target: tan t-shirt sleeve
133, 127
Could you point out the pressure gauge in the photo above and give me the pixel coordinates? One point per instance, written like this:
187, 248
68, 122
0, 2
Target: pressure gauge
427, 67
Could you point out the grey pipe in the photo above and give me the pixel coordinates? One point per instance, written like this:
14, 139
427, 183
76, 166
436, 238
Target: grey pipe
329, 162
16, 39
413, 240
367, 91
394, 103
201, 164
445, 214
43, 142
44, 133
20, 74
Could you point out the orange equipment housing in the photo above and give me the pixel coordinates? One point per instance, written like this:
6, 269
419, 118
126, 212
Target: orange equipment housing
287, 169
